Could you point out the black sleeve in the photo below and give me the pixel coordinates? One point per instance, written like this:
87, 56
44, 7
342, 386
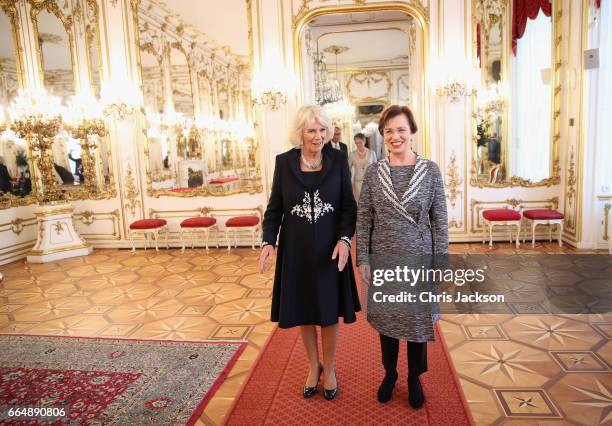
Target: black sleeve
274, 212
348, 209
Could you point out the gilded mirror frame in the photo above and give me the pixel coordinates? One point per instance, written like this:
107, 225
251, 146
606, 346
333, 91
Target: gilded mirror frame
257, 182
108, 190
414, 10
8, 7
555, 119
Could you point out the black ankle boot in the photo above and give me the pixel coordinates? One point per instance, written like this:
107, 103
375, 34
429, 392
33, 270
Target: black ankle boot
386, 387
415, 392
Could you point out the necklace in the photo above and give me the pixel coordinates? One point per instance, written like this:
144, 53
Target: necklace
312, 166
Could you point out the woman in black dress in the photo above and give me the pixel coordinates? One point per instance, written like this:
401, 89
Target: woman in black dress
312, 203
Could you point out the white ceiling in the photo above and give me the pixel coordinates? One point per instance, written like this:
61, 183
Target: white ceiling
366, 48
223, 21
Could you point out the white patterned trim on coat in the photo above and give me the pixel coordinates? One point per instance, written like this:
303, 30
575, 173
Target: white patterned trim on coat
384, 174
310, 206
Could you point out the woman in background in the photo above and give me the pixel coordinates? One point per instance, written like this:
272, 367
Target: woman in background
359, 160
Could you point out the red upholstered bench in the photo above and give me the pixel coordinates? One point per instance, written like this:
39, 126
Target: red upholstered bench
238, 223
544, 217
146, 227
501, 217
194, 225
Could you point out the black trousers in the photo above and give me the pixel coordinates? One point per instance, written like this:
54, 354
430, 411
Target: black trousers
417, 355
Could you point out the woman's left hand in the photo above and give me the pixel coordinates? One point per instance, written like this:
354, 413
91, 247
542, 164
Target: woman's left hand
341, 251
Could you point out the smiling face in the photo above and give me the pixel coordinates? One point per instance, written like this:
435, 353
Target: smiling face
314, 136
397, 135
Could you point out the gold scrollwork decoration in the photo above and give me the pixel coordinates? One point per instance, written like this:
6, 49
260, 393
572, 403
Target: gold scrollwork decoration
368, 77
88, 217
514, 180
131, 191
454, 180
571, 179
58, 227
453, 223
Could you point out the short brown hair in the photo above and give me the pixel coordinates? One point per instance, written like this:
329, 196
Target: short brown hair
394, 111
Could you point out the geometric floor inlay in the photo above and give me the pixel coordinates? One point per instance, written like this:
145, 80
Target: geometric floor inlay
522, 367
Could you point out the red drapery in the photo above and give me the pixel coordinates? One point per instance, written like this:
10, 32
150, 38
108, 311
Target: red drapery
523, 10
597, 4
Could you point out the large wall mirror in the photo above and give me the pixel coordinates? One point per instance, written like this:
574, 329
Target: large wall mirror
356, 61
15, 178
516, 117
199, 138
83, 167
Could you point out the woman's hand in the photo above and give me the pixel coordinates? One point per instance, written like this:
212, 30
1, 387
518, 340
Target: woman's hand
341, 251
266, 252
365, 273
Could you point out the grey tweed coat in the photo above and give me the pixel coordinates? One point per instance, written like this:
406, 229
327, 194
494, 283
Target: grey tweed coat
414, 223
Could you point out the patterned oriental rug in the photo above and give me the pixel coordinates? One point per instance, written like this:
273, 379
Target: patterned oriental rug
273, 394
111, 381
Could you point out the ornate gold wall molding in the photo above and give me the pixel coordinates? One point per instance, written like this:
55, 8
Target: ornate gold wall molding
369, 77
88, 218
477, 206
17, 225
131, 191
454, 180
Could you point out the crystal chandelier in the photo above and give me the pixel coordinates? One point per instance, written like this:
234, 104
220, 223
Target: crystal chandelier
327, 90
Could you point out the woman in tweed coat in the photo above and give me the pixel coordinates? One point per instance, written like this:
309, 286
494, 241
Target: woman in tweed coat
402, 210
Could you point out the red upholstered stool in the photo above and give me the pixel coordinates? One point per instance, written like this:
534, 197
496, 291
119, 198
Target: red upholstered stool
195, 225
148, 227
241, 223
501, 217
544, 217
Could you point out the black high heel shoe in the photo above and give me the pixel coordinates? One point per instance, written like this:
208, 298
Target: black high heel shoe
330, 394
310, 391
385, 391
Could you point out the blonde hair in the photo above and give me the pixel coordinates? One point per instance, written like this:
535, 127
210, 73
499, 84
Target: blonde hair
303, 117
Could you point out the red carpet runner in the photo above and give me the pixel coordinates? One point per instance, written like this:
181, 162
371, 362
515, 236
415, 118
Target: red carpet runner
273, 394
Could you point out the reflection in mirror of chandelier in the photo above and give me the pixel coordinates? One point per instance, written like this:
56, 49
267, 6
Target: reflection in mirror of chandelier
383, 61
200, 137
517, 105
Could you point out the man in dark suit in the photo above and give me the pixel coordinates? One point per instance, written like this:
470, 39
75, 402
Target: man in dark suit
335, 141
5, 178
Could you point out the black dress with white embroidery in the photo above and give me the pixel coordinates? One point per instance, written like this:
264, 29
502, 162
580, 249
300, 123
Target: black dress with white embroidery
313, 211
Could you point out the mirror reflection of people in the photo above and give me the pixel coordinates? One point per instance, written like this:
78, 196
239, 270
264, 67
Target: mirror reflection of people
5, 178
24, 183
359, 160
65, 177
312, 204
78, 167
335, 141
494, 150
402, 209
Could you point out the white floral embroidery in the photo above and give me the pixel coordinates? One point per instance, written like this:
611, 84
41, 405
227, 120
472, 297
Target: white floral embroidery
303, 210
319, 207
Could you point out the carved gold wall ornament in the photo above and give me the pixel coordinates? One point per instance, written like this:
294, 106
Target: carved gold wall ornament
454, 179
89, 217
58, 227
571, 181
39, 132
369, 77
453, 223
131, 191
